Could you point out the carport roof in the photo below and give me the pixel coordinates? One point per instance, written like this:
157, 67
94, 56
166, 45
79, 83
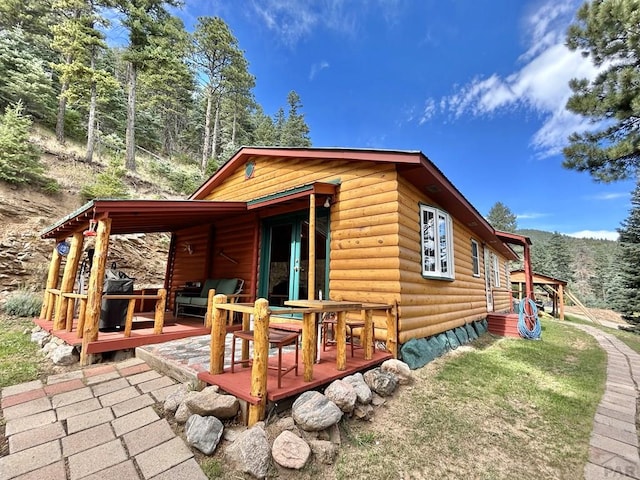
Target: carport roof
143, 216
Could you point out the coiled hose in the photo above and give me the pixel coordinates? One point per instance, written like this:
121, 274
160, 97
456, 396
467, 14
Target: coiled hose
528, 321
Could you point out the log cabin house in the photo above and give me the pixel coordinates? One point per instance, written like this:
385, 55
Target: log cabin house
369, 226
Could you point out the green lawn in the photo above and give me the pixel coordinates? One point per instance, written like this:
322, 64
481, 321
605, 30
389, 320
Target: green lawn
19, 358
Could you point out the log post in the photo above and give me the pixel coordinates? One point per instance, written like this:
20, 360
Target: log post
246, 325
311, 279
94, 289
260, 359
341, 341
71, 306
158, 321
81, 316
218, 334
207, 317
128, 324
308, 344
392, 329
365, 336
68, 280
52, 282
561, 300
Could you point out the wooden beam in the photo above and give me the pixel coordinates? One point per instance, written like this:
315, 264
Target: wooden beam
52, 282
341, 341
218, 334
367, 331
68, 280
260, 360
308, 344
311, 279
94, 289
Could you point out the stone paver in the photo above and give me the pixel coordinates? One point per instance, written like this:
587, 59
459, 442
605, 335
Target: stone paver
85, 439
36, 436
148, 436
27, 423
189, 469
109, 387
119, 396
30, 459
78, 408
97, 458
73, 396
88, 420
137, 419
28, 408
21, 388
164, 456
131, 405
55, 471
122, 471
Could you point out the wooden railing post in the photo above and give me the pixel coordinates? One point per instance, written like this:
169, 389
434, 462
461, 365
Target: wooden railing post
128, 323
341, 341
260, 359
52, 282
158, 322
207, 317
81, 316
246, 325
308, 344
365, 336
392, 329
68, 280
218, 334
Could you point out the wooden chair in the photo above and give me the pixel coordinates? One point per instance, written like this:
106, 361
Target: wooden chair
277, 339
329, 322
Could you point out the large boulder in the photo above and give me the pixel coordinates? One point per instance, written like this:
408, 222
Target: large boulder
203, 433
290, 451
64, 355
209, 402
312, 411
250, 452
399, 369
381, 382
342, 394
363, 392
324, 451
175, 398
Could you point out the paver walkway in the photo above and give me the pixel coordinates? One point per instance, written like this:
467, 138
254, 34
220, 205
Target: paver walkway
97, 423
613, 451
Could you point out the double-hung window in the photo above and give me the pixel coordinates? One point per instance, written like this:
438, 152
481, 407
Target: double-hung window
436, 242
496, 270
475, 259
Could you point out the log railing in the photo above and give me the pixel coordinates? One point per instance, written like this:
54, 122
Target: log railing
54, 296
219, 311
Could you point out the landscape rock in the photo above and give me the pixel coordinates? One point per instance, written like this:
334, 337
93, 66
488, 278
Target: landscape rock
381, 382
210, 402
362, 389
203, 433
363, 412
290, 451
283, 424
174, 399
183, 412
399, 368
313, 411
64, 355
324, 451
40, 337
250, 452
342, 394
377, 400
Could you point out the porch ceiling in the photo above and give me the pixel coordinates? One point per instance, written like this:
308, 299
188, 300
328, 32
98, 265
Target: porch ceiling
144, 216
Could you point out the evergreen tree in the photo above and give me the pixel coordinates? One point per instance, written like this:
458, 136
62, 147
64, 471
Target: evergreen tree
629, 261
559, 258
19, 159
607, 32
295, 131
502, 218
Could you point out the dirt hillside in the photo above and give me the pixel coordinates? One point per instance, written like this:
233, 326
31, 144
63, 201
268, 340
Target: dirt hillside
25, 212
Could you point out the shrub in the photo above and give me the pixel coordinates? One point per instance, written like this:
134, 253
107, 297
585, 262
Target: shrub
23, 303
108, 184
19, 158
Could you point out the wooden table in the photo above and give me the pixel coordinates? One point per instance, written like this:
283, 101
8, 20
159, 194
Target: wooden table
309, 330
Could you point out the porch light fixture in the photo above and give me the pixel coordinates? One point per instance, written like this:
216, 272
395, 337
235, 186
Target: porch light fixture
327, 202
91, 231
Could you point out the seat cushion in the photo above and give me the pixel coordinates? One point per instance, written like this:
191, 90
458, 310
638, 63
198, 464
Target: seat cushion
227, 286
199, 301
208, 285
181, 300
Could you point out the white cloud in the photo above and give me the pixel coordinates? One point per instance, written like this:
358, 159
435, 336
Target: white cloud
598, 234
317, 67
609, 196
428, 111
539, 84
530, 216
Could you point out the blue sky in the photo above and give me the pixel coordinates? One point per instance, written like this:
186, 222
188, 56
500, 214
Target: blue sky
478, 86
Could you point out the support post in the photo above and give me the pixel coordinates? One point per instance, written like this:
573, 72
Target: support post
308, 344
246, 325
260, 359
68, 280
341, 341
392, 330
81, 316
311, 279
365, 336
218, 334
561, 300
94, 289
128, 324
52, 282
207, 318
158, 321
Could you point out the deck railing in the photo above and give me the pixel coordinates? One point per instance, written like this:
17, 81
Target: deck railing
54, 297
220, 310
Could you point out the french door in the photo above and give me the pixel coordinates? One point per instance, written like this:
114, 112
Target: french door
285, 258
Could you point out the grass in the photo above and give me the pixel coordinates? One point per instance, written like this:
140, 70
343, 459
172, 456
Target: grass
506, 409
631, 339
19, 360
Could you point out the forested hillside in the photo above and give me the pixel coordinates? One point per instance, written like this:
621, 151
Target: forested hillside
185, 97
589, 265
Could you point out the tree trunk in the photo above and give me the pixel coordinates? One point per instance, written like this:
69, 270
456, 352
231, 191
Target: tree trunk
235, 121
91, 125
207, 131
62, 107
130, 162
216, 128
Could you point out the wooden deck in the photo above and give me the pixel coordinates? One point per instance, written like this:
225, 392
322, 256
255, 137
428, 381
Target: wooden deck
141, 334
324, 372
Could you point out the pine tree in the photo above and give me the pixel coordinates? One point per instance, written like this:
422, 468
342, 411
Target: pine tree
295, 131
607, 32
19, 159
559, 258
629, 261
502, 218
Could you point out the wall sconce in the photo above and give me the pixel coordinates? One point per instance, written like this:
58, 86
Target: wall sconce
189, 248
327, 202
91, 231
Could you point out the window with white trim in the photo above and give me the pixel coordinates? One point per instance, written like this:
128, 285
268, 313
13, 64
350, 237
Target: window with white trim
436, 242
475, 259
496, 270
